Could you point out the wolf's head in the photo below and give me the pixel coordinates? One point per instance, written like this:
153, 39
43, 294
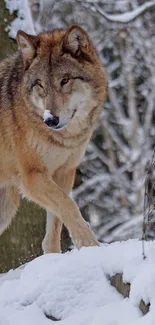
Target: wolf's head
63, 76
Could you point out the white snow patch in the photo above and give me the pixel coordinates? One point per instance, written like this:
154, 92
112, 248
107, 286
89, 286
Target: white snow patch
24, 19
74, 287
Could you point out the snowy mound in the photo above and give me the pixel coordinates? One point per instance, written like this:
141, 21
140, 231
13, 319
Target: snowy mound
75, 289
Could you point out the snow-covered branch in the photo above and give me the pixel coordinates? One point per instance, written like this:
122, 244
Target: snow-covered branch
126, 17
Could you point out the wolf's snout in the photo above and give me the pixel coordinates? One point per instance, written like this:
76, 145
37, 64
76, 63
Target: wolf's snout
52, 121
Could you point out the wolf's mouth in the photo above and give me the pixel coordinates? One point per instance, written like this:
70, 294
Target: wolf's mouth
62, 126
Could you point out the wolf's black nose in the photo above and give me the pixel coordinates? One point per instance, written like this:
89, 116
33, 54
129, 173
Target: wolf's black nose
52, 121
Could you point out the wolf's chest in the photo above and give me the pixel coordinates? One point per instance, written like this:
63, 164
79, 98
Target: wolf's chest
76, 156
55, 157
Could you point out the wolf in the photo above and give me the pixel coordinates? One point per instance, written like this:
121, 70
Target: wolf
51, 92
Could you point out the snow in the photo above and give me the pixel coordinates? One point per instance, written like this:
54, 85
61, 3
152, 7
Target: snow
23, 20
74, 287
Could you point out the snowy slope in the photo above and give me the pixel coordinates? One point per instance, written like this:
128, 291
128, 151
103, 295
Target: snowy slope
75, 289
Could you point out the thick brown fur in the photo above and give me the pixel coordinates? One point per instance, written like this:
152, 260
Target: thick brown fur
60, 72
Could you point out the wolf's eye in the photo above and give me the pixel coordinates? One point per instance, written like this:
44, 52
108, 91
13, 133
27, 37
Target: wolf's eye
38, 88
38, 83
64, 81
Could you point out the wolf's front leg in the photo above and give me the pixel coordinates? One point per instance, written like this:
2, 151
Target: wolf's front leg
51, 243
44, 191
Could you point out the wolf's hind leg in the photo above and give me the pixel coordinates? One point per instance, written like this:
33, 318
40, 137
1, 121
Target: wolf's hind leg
51, 242
9, 203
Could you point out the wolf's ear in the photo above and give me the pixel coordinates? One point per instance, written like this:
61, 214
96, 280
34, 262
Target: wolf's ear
76, 40
28, 45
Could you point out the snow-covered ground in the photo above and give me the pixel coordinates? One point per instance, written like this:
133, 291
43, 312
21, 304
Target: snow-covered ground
75, 289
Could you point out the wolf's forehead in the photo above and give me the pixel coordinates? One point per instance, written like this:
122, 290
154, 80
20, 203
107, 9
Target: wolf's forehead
51, 43
64, 64
52, 37
58, 65
49, 51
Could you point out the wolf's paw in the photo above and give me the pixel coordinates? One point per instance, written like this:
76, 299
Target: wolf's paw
85, 238
50, 245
